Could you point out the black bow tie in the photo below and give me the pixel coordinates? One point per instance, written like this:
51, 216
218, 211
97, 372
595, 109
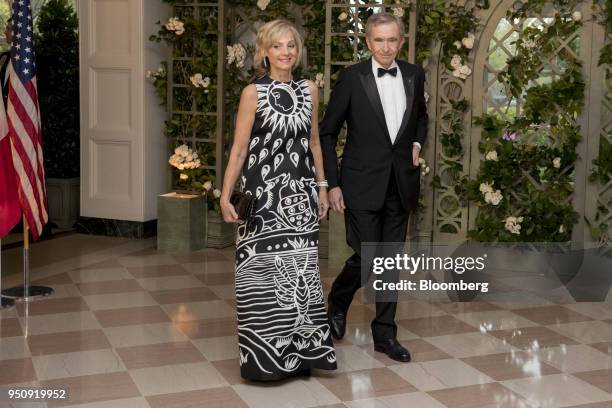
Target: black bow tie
382, 71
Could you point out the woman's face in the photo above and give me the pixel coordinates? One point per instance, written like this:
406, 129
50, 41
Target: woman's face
283, 52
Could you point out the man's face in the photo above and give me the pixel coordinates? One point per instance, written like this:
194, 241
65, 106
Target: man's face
385, 42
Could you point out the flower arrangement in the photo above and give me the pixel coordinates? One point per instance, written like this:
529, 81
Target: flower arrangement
192, 177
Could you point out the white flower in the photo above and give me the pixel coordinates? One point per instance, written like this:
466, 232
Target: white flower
457, 44
557, 162
456, 61
527, 43
207, 185
398, 11
343, 16
462, 72
216, 193
170, 24
492, 155
262, 4
493, 197
561, 229
576, 16
468, 42
236, 54
490, 196
183, 176
421, 161
198, 81
176, 25
149, 75
184, 158
319, 80
513, 224
486, 188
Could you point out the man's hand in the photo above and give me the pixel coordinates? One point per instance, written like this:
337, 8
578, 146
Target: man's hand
336, 200
416, 150
323, 203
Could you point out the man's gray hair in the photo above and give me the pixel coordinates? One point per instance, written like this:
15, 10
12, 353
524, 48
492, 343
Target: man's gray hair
383, 18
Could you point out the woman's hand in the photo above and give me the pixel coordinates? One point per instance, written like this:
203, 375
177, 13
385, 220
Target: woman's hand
228, 211
323, 203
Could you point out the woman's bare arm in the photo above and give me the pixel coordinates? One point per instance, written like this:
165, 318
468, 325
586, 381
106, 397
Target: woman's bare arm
239, 152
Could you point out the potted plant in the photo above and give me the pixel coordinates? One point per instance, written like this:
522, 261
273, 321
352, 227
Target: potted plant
189, 219
57, 57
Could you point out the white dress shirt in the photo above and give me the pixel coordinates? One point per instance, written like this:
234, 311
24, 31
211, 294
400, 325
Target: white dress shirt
392, 96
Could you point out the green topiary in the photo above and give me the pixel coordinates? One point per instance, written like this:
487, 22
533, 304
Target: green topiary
57, 59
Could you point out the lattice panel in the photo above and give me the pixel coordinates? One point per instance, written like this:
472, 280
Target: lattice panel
500, 103
449, 216
501, 48
604, 192
203, 108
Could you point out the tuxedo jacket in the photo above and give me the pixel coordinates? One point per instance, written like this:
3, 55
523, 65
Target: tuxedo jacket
369, 155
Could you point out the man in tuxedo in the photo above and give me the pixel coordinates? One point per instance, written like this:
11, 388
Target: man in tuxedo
382, 102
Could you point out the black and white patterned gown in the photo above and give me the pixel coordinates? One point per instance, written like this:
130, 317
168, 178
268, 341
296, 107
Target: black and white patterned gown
282, 324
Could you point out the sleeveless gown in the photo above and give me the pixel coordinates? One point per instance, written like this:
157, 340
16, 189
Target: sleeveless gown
282, 323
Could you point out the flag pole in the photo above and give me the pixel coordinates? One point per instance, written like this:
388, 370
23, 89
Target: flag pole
27, 292
5, 303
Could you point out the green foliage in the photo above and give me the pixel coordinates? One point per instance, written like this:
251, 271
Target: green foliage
446, 22
533, 172
57, 58
195, 51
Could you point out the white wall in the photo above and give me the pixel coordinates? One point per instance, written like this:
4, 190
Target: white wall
123, 153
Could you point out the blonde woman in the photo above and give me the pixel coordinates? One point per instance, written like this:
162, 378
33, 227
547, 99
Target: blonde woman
282, 324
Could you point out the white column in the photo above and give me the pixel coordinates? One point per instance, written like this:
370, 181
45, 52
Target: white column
123, 149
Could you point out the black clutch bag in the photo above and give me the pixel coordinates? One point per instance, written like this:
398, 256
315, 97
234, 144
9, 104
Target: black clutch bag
244, 204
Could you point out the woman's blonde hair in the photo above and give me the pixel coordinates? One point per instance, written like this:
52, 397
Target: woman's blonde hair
267, 35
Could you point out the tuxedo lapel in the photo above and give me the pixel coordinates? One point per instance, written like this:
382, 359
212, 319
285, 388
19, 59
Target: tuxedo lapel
408, 77
371, 90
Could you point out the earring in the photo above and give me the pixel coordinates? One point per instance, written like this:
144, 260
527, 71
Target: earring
265, 62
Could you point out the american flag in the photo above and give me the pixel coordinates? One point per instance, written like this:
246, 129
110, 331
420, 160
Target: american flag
24, 120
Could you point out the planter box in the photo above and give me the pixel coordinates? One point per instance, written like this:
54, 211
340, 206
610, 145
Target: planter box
181, 222
220, 234
63, 198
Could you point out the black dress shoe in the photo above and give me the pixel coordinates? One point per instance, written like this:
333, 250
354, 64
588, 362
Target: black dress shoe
337, 323
393, 349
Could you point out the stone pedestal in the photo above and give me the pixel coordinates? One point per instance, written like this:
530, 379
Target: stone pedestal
220, 233
181, 222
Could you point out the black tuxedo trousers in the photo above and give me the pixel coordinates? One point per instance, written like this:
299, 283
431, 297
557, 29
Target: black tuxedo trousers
388, 224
